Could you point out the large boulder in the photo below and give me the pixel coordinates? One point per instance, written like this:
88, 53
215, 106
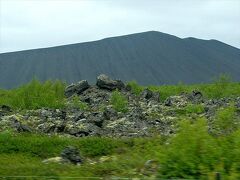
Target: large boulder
104, 82
16, 124
77, 88
4, 109
150, 95
109, 113
147, 94
71, 154
196, 96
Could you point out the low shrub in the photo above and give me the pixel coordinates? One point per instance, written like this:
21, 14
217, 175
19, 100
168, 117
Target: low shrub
194, 108
190, 109
191, 152
119, 101
226, 120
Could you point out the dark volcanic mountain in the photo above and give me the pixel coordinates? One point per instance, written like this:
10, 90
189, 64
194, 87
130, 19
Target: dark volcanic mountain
149, 58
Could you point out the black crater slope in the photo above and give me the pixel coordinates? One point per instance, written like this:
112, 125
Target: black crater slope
150, 58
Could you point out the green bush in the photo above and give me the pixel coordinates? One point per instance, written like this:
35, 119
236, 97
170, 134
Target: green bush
230, 153
194, 108
119, 101
190, 153
35, 95
193, 153
190, 109
226, 120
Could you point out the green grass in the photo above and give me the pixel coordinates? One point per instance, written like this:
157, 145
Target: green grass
22, 154
35, 95
214, 90
44, 146
220, 87
190, 109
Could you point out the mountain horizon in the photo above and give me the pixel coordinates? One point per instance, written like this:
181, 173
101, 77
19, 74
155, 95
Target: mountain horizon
150, 58
117, 36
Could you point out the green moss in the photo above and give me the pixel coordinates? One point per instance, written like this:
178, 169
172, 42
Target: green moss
194, 153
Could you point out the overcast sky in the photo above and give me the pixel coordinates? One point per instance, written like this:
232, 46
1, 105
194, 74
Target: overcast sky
29, 24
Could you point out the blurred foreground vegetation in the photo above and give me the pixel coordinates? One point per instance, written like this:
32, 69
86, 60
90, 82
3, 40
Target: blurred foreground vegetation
191, 154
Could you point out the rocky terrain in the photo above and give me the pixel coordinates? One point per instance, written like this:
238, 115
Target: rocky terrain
95, 115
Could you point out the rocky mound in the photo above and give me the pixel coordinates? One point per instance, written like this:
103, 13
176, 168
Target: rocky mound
145, 114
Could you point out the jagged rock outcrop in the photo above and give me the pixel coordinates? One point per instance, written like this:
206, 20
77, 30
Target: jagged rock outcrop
196, 96
238, 103
68, 155
147, 94
4, 109
103, 81
77, 88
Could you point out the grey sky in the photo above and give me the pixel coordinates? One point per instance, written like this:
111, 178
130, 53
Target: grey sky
29, 24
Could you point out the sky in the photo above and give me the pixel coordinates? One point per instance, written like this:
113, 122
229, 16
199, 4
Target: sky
31, 24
